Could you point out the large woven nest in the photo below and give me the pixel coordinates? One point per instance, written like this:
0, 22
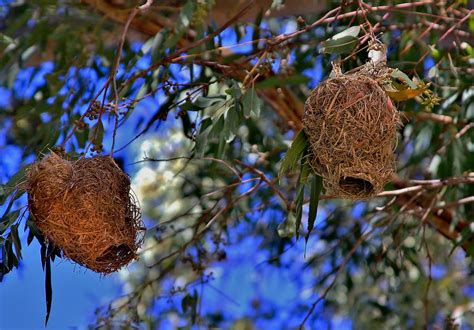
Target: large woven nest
351, 125
85, 208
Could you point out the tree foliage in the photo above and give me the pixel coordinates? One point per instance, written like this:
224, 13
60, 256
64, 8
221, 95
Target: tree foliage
205, 102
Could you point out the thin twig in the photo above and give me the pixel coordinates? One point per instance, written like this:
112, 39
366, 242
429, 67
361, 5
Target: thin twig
113, 73
342, 266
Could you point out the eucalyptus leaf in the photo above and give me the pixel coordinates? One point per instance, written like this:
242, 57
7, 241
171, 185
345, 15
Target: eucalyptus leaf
232, 120
201, 141
96, 135
397, 74
48, 287
251, 103
286, 229
340, 46
16, 240
294, 154
234, 91
316, 188
353, 31
278, 81
205, 102
299, 201
217, 128
8, 219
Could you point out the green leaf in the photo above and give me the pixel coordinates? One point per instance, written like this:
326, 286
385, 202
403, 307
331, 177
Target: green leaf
190, 303
232, 121
339, 46
16, 181
11, 261
97, 133
8, 219
299, 200
187, 13
4, 39
278, 81
294, 153
152, 43
470, 250
316, 188
43, 255
353, 31
184, 19
16, 240
3, 268
186, 303
187, 125
305, 170
81, 137
234, 91
403, 77
286, 229
48, 290
217, 128
466, 235
205, 102
251, 103
201, 142
3, 192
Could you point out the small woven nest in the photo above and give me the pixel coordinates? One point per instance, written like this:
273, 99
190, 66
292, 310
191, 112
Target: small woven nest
351, 125
85, 208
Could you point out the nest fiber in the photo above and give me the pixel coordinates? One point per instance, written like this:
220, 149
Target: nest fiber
351, 125
85, 208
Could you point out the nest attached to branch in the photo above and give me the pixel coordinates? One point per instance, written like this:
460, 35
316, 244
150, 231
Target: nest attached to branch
86, 209
351, 125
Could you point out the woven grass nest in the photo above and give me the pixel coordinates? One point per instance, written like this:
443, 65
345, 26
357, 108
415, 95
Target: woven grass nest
351, 125
85, 208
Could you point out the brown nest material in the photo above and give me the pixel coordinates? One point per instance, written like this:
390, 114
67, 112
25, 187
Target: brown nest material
351, 125
86, 209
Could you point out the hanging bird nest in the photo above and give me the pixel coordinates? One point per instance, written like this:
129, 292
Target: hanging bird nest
351, 125
86, 209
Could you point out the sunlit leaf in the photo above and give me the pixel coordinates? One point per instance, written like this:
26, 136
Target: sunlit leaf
4, 39
340, 46
353, 31
287, 227
400, 75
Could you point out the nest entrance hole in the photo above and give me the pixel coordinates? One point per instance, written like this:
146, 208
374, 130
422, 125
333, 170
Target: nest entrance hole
122, 251
356, 186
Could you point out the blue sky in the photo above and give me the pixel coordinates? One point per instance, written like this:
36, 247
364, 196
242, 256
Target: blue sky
76, 292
